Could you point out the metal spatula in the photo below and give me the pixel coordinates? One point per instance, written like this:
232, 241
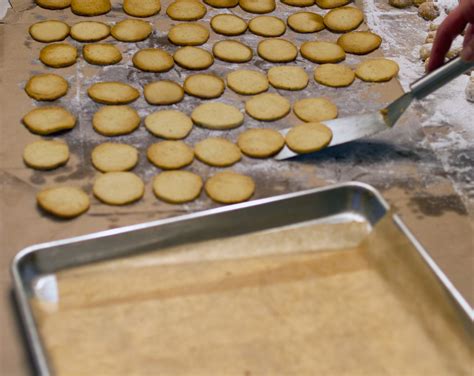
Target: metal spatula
353, 127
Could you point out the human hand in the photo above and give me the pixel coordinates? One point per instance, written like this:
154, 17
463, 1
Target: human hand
450, 28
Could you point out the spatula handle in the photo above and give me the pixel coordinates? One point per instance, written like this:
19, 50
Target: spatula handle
441, 76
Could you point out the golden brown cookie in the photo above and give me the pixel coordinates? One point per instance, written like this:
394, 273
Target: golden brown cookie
118, 188
170, 155
258, 6
188, 34
260, 143
193, 58
101, 54
222, 3
113, 157
343, 19
218, 152
46, 87
115, 120
359, 42
267, 26
308, 137
186, 10
334, 75
205, 86
141, 8
58, 55
131, 30
113, 93
216, 115
169, 124
268, 106
49, 31
228, 24
90, 31
229, 187
63, 202
329, 4
48, 120
247, 82
306, 22
90, 8
315, 109
298, 3
153, 60
177, 187
277, 50
377, 70
232, 51
46, 154
288, 77
163, 92
53, 4
322, 52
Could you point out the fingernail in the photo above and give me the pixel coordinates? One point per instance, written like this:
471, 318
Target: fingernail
468, 53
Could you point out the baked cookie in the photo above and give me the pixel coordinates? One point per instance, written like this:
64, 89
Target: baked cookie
193, 58
49, 31
322, 52
228, 24
268, 107
216, 115
177, 187
288, 77
343, 19
101, 54
277, 50
205, 86
113, 157
49, 120
334, 75
58, 55
229, 187
153, 60
63, 202
217, 152
90, 8
141, 8
315, 109
186, 10
89, 31
170, 155
298, 3
258, 6
113, 93
163, 92
306, 22
46, 87
188, 34
359, 42
46, 154
131, 30
267, 26
260, 143
118, 188
222, 3
247, 82
169, 124
308, 137
232, 51
53, 4
115, 120
377, 70
329, 4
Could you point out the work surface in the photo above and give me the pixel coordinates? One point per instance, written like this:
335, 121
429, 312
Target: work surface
423, 167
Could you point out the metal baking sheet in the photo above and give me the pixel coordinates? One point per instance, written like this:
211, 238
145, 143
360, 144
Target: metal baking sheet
340, 203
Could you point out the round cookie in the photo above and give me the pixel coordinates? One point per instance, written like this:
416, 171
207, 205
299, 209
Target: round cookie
49, 31
169, 124
90, 8
308, 137
188, 34
205, 86
141, 8
229, 187
101, 54
268, 106
232, 51
322, 52
217, 152
115, 120
53, 4
131, 30
163, 92
112, 157
306, 22
315, 109
113, 93
258, 6
267, 26
153, 60
298, 3
334, 75
48, 120
193, 58
277, 50
46, 154
63, 202
89, 31
377, 70
216, 115
170, 155
118, 188
58, 55
288, 77
329, 4
177, 187
46, 87
228, 24
222, 3
186, 10
260, 143
247, 82
343, 19
359, 42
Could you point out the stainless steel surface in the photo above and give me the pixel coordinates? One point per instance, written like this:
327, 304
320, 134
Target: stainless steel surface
339, 203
